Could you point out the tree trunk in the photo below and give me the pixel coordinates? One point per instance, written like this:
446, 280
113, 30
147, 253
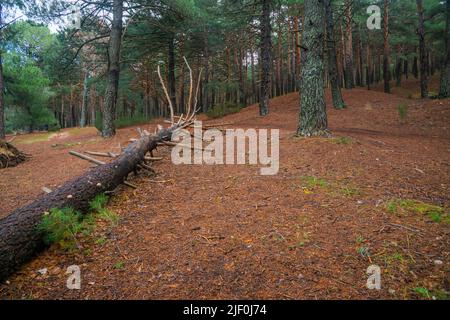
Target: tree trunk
398, 69
338, 103
109, 109
387, 88
171, 72
206, 101
2, 107
19, 237
415, 68
313, 116
266, 44
85, 100
422, 52
444, 88
349, 80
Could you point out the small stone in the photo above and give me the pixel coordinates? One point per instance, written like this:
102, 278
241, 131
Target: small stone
391, 291
69, 196
438, 262
359, 202
91, 283
46, 190
99, 184
42, 271
7, 282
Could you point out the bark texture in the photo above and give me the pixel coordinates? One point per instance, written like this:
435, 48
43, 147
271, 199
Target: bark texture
338, 103
444, 88
266, 46
386, 48
313, 116
109, 111
422, 52
2, 107
349, 77
85, 100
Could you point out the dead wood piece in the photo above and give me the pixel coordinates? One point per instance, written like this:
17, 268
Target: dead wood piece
10, 156
102, 154
129, 184
87, 158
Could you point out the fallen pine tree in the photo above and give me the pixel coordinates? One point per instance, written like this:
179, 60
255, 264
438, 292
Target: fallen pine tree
20, 239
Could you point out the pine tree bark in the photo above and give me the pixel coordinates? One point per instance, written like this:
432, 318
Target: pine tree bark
386, 74
313, 116
109, 109
2, 107
206, 100
266, 61
422, 52
85, 100
349, 77
171, 71
338, 102
444, 87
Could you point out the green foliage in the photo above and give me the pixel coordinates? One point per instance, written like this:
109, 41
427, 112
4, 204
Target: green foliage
423, 292
62, 226
130, 121
119, 265
402, 110
65, 226
311, 182
122, 122
98, 204
27, 86
222, 110
433, 212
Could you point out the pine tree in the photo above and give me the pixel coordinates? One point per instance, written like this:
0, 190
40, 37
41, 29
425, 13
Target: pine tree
313, 116
338, 103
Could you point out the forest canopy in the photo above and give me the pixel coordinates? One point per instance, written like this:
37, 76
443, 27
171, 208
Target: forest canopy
57, 79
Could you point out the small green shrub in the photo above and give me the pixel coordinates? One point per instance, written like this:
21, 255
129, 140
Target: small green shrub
122, 122
98, 206
222, 110
433, 212
423, 292
65, 226
311, 182
98, 202
61, 226
402, 111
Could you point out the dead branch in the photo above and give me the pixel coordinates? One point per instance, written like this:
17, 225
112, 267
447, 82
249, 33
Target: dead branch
87, 158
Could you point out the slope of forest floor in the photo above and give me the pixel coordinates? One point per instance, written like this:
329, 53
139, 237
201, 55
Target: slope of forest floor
226, 232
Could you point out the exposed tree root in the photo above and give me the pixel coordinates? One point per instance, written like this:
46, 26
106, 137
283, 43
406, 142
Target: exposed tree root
10, 156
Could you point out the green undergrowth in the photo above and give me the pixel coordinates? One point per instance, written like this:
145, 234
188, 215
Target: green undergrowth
403, 207
67, 227
219, 111
313, 184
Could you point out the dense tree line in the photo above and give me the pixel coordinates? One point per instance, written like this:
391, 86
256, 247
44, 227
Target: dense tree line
103, 73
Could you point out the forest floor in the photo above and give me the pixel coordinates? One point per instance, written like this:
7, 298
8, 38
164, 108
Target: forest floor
371, 194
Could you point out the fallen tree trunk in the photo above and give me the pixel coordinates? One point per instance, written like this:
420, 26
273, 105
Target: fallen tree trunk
19, 237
